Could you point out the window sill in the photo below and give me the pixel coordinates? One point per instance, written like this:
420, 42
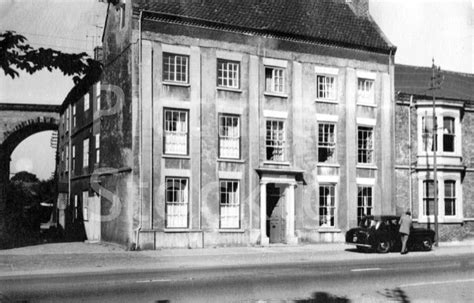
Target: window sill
327, 101
441, 220
329, 230
284, 163
230, 160
367, 104
367, 166
229, 89
181, 230
176, 84
224, 230
176, 157
336, 165
275, 94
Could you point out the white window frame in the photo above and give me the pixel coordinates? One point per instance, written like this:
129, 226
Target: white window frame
229, 136
229, 204
170, 68
76, 206
366, 91
97, 147
364, 201
326, 87
327, 207
85, 153
276, 82
97, 95
228, 73
122, 16
440, 113
175, 133
74, 111
368, 147
330, 143
177, 208
276, 141
87, 102
458, 217
67, 119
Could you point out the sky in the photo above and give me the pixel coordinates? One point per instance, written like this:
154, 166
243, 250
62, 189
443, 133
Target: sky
421, 29
67, 25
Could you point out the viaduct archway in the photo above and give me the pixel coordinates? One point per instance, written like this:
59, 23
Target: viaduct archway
18, 122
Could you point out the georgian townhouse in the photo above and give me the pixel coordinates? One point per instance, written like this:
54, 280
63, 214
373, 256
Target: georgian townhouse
245, 122
451, 140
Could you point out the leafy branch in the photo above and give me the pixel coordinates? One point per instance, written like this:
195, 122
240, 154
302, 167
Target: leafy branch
16, 54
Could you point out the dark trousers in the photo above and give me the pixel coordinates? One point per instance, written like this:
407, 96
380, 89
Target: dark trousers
404, 242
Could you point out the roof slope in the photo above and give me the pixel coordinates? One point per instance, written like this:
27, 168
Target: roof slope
325, 21
415, 80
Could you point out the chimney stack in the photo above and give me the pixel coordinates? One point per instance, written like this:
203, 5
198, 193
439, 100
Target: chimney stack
360, 7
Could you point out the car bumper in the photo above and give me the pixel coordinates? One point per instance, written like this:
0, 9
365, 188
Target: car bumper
359, 244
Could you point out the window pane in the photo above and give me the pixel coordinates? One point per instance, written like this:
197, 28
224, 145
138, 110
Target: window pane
449, 198
176, 132
176, 203
327, 205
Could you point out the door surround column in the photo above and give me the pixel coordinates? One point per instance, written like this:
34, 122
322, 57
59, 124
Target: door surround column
290, 215
264, 240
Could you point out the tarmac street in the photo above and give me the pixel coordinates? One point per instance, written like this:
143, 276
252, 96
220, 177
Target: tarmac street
100, 273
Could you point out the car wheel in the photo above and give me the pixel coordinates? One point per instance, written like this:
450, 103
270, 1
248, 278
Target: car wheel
426, 244
384, 246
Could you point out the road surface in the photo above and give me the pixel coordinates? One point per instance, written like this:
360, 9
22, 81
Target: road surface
403, 279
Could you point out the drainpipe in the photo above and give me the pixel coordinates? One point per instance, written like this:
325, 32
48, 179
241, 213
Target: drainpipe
410, 190
140, 179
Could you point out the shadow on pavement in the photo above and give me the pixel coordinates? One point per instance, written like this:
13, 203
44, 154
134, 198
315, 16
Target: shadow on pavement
396, 294
324, 297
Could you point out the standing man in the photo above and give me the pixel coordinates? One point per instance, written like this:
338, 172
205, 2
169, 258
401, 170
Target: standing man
405, 226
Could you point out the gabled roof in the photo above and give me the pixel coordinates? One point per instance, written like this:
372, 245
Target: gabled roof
415, 80
330, 22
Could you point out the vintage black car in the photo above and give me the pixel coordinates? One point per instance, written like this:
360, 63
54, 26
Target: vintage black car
380, 233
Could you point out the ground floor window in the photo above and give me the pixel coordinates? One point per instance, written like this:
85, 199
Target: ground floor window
229, 204
449, 197
177, 202
327, 205
364, 202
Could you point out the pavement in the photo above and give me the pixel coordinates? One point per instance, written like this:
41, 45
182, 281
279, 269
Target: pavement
79, 257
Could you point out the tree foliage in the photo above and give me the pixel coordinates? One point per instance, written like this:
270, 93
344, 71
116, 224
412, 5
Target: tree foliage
16, 54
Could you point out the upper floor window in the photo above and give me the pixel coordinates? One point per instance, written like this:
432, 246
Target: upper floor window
326, 87
74, 115
67, 119
327, 205
364, 202
67, 158
429, 140
175, 68
448, 134
122, 16
73, 158
176, 132
229, 204
275, 140
326, 143
228, 73
97, 94
85, 153
229, 136
176, 204
365, 138
365, 91
87, 102
85, 205
274, 79
97, 148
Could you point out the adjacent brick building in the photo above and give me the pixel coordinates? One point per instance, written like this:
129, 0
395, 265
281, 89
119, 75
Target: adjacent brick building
453, 142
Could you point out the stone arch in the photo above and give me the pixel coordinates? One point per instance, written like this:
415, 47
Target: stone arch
13, 135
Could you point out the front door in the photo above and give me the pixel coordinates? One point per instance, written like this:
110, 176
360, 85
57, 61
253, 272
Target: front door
276, 224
